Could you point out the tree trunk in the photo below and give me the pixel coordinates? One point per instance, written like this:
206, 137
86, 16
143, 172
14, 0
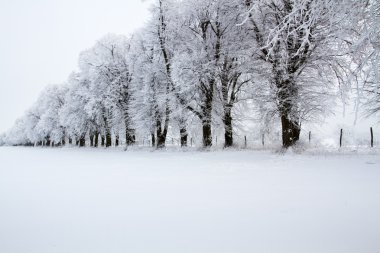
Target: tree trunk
206, 116
117, 140
206, 132
228, 135
108, 138
92, 140
206, 124
288, 97
63, 141
70, 140
103, 140
183, 133
161, 139
82, 140
48, 142
129, 136
153, 140
96, 139
161, 134
290, 131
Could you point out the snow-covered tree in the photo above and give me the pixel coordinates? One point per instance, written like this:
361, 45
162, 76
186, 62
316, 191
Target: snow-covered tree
305, 43
195, 64
213, 63
49, 104
107, 68
73, 115
199, 66
154, 66
368, 67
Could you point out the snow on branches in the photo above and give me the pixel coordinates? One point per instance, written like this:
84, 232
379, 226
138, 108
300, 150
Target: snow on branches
201, 67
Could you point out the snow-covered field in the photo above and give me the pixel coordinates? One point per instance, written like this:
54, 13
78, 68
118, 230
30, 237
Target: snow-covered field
70, 200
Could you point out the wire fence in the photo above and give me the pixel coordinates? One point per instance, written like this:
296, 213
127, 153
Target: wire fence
342, 139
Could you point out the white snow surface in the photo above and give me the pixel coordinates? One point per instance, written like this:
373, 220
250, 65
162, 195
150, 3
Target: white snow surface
88, 200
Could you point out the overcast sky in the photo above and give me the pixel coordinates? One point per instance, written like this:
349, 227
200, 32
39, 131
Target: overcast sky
41, 40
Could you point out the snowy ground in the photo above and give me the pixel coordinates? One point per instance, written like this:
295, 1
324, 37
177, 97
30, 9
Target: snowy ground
70, 200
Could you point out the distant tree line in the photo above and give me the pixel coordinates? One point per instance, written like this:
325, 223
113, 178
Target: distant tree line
197, 63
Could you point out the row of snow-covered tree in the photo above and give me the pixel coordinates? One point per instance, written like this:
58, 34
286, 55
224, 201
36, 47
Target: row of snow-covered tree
201, 64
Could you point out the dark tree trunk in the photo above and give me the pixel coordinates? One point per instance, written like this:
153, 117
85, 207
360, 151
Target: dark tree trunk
161, 133
103, 140
153, 140
117, 140
206, 116
77, 142
206, 131
161, 139
290, 131
63, 141
96, 139
228, 135
48, 142
129, 136
206, 123
287, 97
92, 140
183, 133
70, 140
108, 138
82, 140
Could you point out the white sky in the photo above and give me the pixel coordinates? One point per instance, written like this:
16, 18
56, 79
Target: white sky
40, 41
